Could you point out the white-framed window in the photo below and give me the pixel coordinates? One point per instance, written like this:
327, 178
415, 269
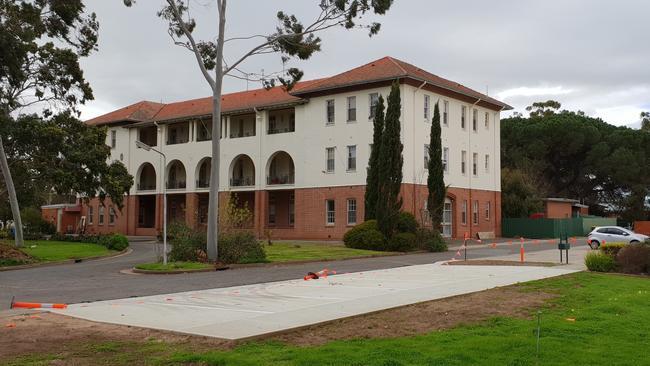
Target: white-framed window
488, 208
352, 109
463, 116
91, 214
330, 151
487, 163
330, 112
463, 162
475, 164
113, 139
487, 120
100, 221
447, 219
111, 216
330, 212
374, 100
445, 159
475, 120
445, 113
352, 211
427, 107
352, 158
426, 156
463, 213
475, 213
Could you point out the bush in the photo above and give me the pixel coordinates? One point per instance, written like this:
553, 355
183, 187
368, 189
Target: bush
353, 237
599, 262
406, 223
402, 242
34, 225
371, 240
430, 240
634, 259
188, 245
117, 242
611, 249
240, 247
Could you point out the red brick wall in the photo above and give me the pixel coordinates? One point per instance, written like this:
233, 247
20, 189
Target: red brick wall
642, 227
558, 210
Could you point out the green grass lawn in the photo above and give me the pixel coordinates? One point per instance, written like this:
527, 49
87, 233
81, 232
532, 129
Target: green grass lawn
52, 251
597, 319
302, 251
173, 266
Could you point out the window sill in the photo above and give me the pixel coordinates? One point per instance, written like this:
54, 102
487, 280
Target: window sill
329, 225
329, 172
351, 171
351, 225
352, 121
329, 124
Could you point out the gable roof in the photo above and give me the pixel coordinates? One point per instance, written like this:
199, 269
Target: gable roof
137, 112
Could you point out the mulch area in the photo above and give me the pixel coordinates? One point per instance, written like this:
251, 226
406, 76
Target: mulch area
9, 253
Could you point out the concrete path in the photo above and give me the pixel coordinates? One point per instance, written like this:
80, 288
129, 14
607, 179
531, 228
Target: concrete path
253, 310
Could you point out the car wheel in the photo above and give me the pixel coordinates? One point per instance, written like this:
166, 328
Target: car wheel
594, 244
634, 242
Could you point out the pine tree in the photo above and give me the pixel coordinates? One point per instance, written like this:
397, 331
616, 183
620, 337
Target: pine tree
435, 180
372, 179
389, 203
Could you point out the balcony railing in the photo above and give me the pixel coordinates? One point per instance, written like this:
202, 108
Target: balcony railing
273, 131
203, 183
146, 186
234, 135
242, 182
280, 179
176, 185
178, 140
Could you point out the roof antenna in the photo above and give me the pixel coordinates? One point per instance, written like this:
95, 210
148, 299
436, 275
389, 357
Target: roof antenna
487, 90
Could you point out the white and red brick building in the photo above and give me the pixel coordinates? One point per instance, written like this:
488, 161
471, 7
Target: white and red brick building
298, 159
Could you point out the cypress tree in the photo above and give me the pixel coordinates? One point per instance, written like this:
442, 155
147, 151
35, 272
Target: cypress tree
389, 203
372, 178
435, 179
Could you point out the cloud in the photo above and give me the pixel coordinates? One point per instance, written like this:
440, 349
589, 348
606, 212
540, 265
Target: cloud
524, 91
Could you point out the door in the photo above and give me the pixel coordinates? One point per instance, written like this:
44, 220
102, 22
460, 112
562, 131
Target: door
447, 215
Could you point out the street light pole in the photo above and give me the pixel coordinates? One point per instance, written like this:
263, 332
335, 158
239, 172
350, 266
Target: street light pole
146, 147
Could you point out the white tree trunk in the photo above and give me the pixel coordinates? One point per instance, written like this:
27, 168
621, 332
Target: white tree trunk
213, 205
13, 199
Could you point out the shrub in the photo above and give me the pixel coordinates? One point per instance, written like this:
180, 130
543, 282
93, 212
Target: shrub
611, 249
634, 259
34, 225
402, 242
430, 240
599, 262
353, 237
117, 242
406, 223
188, 245
240, 247
371, 240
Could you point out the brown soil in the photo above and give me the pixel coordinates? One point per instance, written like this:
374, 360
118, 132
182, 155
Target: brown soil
489, 262
72, 339
9, 253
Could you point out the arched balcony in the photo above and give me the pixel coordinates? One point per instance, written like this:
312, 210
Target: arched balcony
242, 172
146, 178
176, 177
280, 169
203, 171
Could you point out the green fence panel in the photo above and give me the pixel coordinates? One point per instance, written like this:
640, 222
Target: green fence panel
551, 228
589, 222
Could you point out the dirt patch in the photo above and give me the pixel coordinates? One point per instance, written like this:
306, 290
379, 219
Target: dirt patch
9, 255
72, 340
489, 262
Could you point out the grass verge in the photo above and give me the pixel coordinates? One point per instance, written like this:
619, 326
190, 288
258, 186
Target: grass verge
305, 251
172, 266
55, 251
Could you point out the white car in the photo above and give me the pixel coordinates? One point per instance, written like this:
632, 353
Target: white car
613, 234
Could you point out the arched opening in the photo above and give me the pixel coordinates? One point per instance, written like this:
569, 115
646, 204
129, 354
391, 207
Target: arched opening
280, 169
242, 172
176, 178
146, 177
203, 173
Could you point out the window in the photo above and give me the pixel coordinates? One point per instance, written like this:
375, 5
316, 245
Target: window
352, 211
374, 99
475, 164
426, 156
427, 101
91, 213
463, 162
330, 212
445, 159
447, 219
475, 120
330, 159
330, 112
352, 158
111, 216
475, 213
113, 139
487, 120
463, 213
487, 163
488, 208
292, 208
101, 215
445, 113
352, 109
273, 125
463, 116
272, 209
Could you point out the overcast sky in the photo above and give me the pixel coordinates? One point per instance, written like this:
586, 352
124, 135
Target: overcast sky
591, 55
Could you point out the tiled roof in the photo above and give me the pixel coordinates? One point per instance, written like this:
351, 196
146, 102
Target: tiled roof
138, 112
384, 69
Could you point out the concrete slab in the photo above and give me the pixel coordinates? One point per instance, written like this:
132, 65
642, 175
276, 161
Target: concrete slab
253, 310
